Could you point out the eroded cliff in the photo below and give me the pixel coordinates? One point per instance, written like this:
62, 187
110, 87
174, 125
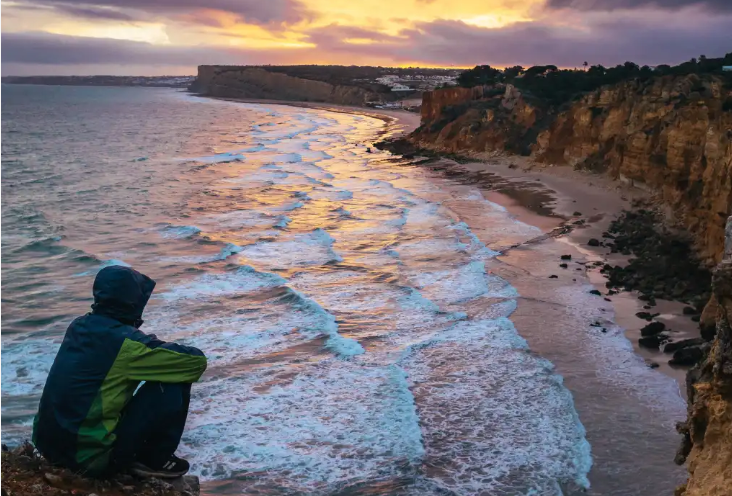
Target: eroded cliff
256, 82
707, 445
671, 135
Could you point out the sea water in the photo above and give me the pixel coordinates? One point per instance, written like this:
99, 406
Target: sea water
359, 340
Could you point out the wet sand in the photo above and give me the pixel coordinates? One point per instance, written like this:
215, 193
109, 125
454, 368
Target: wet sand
556, 196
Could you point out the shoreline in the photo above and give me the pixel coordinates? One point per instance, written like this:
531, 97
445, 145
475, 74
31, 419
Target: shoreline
404, 121
548, 197
523, 191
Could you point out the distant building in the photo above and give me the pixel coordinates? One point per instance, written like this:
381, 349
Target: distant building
400, 87
727, 68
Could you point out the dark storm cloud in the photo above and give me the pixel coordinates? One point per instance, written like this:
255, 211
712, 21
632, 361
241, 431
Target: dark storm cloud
265, 12
714, 5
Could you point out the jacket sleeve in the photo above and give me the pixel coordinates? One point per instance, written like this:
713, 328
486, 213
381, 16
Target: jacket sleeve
150, 359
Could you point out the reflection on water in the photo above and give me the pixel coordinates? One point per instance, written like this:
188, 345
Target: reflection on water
358, 335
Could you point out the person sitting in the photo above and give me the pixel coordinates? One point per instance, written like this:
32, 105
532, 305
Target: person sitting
92, 416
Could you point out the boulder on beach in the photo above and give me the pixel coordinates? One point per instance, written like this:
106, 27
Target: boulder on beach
687, 356
684, 343
652, 342
646, 315
652, 328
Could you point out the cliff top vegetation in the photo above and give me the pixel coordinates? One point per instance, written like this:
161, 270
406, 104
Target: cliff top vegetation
556, 86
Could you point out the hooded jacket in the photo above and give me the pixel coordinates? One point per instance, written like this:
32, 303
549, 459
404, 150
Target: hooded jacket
102, 360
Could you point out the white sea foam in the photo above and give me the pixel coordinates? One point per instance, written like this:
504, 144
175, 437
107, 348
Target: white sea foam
179, 232
314, 248
220, 158
25, 365
243, 280
462, 284
333, 422
497, 418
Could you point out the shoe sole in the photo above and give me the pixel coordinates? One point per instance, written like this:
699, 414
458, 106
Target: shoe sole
158, 475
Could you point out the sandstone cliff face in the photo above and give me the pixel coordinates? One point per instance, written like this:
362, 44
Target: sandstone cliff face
255, 82
707, 445
671, 135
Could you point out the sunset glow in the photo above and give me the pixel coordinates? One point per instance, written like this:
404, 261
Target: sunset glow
173, 36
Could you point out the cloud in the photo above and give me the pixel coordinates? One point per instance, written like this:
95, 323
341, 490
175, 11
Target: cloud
606, 5
599, 39
262, 12
606, 40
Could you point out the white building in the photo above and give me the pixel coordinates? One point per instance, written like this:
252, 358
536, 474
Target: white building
400, 87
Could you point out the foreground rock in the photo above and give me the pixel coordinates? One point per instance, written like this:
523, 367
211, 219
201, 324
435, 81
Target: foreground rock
707, 443
24, 473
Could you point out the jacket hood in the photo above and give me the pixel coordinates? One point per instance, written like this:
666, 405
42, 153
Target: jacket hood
121, 293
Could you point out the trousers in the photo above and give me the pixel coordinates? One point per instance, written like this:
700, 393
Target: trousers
151, 425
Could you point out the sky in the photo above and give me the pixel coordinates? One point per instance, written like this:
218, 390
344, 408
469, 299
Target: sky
161, 37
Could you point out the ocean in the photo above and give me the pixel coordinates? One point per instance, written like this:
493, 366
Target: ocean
359, 333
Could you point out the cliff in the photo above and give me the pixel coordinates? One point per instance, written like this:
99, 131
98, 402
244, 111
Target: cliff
707, 445
257, 82
671, 135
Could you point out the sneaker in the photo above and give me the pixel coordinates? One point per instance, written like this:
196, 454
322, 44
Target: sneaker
172, 469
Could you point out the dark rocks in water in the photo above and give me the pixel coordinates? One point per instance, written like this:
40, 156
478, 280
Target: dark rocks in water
687, 356
593, 242
577, 213
652, 365
563, 265
646, 315
684, 343
689, 311
653, 328
368, 150
566, 257
578, 268
553, 276
512, 166
647, 307
696, 318
652, 342
595, 292
608, 299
